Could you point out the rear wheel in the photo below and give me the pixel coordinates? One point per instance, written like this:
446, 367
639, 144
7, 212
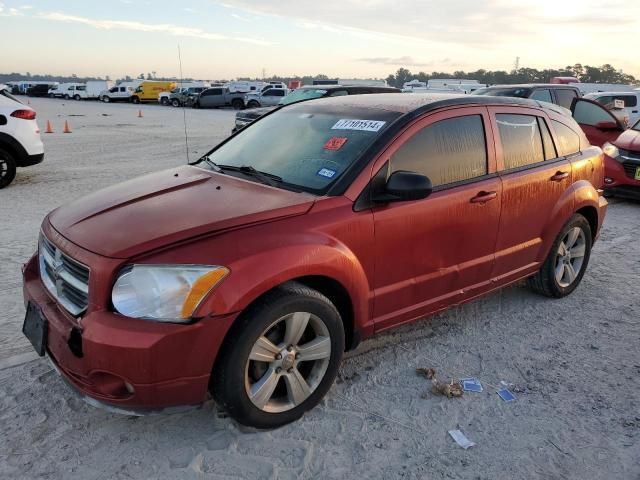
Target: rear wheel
76, 97
283, 359
175, 102
7, 168
66, 96
567, 261
237, 104
106, 99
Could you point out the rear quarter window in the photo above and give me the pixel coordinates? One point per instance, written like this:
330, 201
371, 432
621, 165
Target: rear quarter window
568, 139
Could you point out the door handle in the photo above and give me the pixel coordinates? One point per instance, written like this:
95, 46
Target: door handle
559, 176
483, 197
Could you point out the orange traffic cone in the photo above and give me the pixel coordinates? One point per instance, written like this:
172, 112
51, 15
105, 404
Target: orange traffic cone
49, 129
139, 113
66, 127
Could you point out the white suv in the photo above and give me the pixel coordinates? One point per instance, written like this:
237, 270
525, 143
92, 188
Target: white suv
20, 143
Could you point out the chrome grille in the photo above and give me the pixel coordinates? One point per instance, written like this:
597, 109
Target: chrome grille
66, 279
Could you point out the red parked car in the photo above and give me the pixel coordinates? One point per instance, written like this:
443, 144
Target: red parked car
325, 222
622, 164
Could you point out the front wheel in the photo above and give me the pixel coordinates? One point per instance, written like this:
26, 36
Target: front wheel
66, 97
281, 357
237, 104
253, 104
567, 261
106, 99
76, 97
164, 101
175, 102
7, 168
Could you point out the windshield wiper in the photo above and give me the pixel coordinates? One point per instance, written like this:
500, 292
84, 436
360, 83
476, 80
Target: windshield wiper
264, 177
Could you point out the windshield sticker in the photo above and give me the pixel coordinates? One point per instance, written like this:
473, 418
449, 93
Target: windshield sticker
364, 125
335, 143
326, 172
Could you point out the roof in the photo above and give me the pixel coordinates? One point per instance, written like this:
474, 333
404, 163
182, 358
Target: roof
535, 85
403, 103
342, 87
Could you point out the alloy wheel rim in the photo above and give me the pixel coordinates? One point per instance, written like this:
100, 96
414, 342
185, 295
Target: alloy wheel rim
570, 257
287, 362
4, 168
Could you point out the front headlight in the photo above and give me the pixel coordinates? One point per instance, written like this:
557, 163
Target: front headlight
611, 150
166, 293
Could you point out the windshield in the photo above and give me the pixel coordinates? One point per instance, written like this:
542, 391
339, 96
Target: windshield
518, 92
302, 94
308, 146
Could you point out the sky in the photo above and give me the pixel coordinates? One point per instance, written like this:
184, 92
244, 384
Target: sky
340, 38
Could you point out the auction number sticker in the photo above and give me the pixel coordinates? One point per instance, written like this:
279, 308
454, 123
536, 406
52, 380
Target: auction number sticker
363, 125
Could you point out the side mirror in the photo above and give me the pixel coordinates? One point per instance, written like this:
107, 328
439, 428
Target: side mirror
606, 125
405, 186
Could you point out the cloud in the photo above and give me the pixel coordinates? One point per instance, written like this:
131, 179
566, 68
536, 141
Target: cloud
462, 23
136, 26
9, 12
405, 61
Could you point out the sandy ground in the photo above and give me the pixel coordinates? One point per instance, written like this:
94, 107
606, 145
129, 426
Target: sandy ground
574, 363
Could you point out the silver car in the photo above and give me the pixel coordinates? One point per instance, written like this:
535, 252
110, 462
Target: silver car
268, 98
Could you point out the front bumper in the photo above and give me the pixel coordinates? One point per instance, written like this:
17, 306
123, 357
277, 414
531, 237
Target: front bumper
128, 363
620, 177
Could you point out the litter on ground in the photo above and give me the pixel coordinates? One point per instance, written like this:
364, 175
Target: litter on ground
461, 439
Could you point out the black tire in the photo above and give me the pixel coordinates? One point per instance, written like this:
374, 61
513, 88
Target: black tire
135, 100
227, 383
106, 99
545, 282
77, 97
66, 96
237, 104
51, 95
175, 102
7, 168
164, 101
253, 104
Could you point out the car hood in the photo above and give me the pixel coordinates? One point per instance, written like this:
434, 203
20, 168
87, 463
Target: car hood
166, 207
255, 112
629, 140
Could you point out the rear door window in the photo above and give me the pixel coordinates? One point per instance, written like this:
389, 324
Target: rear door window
609, 100
565, 96
521, 140
448, 151
542, 94
568, 140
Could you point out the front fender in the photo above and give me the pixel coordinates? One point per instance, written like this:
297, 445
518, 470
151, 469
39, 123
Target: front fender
252, 276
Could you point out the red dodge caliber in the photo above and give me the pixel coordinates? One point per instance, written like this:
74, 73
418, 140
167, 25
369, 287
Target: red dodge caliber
249, 274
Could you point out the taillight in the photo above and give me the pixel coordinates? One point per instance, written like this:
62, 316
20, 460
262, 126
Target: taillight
24, 114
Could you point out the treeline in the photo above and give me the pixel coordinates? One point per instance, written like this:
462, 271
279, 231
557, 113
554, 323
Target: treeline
585, 73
